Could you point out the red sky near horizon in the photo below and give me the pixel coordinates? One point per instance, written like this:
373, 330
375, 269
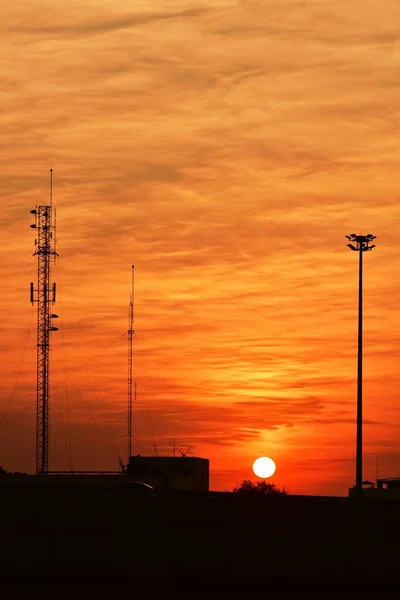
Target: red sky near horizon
225, 148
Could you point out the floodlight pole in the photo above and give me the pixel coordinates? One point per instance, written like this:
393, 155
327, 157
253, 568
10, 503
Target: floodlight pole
360, 243
359, 448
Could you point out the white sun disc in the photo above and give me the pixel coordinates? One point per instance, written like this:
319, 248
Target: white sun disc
264, 467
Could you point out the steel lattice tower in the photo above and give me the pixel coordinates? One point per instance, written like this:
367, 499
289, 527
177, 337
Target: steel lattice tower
45, 296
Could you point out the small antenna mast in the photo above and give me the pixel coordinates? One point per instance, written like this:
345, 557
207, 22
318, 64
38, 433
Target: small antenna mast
51, 188
130, 365
54, 216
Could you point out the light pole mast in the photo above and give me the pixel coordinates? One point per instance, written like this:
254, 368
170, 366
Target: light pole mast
45, 296
360, 243
130, 365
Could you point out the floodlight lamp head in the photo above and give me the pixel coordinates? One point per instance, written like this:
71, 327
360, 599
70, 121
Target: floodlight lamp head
352, 247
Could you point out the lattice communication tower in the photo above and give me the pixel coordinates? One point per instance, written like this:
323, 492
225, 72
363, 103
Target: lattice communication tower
45, 296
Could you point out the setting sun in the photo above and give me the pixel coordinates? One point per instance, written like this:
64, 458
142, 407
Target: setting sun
264, 467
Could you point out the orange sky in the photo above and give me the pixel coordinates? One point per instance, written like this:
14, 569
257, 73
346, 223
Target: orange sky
225, 148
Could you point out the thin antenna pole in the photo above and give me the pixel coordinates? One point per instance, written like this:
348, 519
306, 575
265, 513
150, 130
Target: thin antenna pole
51, 189
130, 364
53, 217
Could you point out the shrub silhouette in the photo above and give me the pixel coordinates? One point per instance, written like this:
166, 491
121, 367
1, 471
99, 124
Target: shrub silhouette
261, 488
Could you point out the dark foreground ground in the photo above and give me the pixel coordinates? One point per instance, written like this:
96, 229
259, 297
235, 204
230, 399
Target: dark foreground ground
108, 538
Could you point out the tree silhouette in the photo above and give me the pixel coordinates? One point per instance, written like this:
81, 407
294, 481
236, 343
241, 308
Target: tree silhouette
2, 471
261, 488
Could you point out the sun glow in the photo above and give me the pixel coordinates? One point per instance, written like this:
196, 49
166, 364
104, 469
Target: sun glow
264, 467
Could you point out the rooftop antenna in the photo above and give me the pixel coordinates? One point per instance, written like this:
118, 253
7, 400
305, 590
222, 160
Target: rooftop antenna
184, 453
122, 466
45, 296
130, 363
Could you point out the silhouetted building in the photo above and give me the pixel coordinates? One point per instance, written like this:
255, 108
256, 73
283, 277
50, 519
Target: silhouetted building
164, 473
56, 479
171, 473
387, 488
